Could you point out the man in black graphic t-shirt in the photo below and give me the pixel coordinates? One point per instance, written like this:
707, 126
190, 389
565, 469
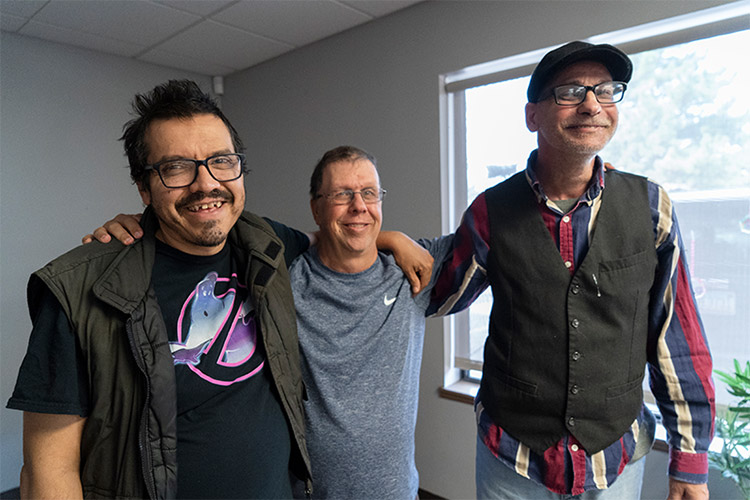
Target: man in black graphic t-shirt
169, 368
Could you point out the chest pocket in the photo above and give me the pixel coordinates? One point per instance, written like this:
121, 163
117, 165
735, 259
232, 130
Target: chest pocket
633, 273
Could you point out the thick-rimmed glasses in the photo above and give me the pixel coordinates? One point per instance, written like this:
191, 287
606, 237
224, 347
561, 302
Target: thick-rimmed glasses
369, 196
182, 172
573, 95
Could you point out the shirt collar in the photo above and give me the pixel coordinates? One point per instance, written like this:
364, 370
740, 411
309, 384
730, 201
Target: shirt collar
592, 192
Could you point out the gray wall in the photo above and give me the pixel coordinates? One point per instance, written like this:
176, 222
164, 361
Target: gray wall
375, 86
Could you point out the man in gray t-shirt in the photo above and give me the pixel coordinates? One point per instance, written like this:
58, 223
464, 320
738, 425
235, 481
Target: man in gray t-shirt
361, 334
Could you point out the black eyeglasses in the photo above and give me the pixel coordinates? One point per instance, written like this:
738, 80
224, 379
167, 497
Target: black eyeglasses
369, 196
573, 95
183, 171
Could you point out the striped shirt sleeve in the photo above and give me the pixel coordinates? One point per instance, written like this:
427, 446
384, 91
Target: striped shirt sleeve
464, 274
679, 359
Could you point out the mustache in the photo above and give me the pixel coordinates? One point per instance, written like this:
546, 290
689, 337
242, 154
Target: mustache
199, 196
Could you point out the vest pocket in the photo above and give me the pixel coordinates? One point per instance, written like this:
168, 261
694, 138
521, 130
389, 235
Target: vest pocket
621, 398
632, 271
502, 383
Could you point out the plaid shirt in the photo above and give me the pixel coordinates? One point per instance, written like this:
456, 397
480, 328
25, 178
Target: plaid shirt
679, 360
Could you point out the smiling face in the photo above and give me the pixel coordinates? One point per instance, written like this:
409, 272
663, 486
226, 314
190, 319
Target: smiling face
578, 130
194, 219
348, 232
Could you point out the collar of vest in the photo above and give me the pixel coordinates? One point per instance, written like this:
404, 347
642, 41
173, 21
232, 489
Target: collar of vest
255, 243
254, 235
124, 289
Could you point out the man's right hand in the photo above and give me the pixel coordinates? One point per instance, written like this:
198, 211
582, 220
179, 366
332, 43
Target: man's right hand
124, 227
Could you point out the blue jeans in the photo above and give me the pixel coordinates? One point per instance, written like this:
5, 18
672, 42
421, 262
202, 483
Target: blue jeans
497, 481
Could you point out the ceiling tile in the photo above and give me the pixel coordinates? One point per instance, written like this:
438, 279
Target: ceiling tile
379, 8
11, 23
297, 22
137, 21
170, 60
200, 7
224, 45
85, 40
23, 8
211, 37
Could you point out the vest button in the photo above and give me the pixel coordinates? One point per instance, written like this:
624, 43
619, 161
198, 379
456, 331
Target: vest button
571, 422
568, 264
566, 219
576, 288
574, 323
574, 389
573, 447
576, 355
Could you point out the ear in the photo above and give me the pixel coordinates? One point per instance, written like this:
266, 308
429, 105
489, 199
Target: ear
531, 123
145, 192
315, 208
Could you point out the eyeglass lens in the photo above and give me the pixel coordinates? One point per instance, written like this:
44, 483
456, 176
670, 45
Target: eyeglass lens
182, 172
605, 93
347, 196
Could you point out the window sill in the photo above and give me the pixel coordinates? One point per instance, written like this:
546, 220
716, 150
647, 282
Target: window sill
464, 391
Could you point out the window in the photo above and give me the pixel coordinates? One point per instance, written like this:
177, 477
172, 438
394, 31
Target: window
685, 123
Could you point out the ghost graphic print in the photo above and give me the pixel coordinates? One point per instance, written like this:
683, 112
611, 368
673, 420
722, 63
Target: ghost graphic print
216, 332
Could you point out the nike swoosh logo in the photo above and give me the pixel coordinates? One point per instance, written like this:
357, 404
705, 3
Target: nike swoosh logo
388, 301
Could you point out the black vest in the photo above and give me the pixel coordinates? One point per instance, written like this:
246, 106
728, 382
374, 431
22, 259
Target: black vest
568, 354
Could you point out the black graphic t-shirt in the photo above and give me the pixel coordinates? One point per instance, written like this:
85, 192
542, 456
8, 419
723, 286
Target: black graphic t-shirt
233, 438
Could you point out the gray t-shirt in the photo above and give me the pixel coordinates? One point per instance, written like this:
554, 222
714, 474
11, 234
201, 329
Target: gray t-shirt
361, 337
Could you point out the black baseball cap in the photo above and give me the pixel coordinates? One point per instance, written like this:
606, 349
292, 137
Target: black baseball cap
616, 61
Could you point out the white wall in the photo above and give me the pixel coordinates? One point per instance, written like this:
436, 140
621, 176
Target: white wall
375, 86
62, 173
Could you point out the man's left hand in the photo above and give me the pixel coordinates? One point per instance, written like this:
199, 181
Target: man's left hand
679, 490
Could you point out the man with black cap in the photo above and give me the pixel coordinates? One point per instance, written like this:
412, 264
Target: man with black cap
590, 285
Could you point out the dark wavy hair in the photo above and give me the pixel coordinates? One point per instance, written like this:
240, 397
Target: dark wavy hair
174, 99
349, 153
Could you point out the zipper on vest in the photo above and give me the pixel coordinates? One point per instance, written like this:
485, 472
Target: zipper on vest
143, 426
596, 282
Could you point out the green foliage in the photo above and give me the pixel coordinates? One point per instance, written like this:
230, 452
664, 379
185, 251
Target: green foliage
685, 121
734, 428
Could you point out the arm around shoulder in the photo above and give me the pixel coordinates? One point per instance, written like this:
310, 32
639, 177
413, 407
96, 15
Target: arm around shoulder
51, 456
411, 257
125, 228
